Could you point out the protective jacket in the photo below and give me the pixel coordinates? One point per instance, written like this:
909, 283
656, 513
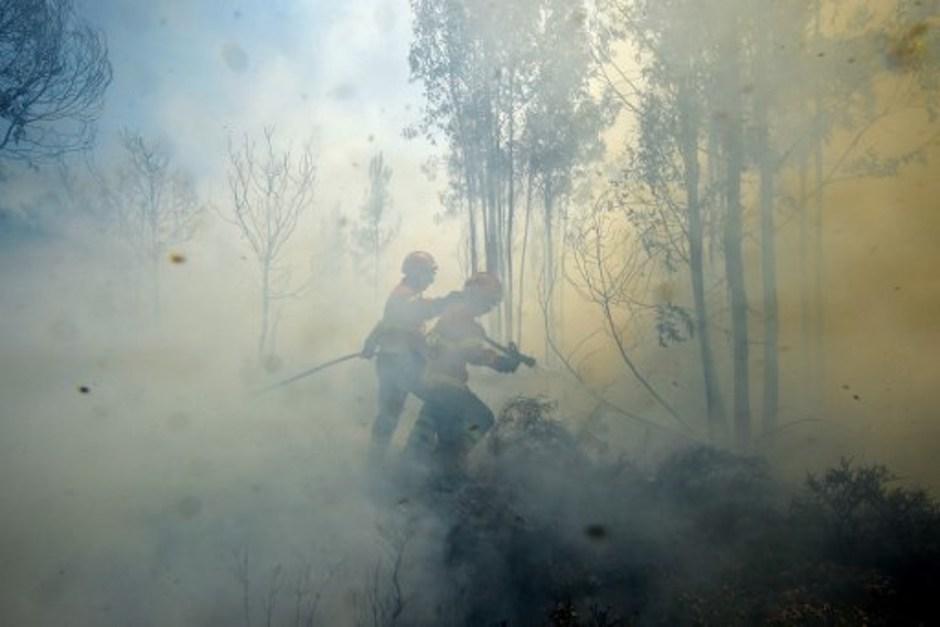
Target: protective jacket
453, 418
402, 328
457, 341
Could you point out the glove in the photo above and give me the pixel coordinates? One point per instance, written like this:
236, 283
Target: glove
505, 363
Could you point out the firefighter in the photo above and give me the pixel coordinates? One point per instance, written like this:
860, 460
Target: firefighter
398, 343
453, 418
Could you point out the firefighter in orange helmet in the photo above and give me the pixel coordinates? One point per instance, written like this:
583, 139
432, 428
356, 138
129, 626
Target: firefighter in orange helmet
453, 418
398, 342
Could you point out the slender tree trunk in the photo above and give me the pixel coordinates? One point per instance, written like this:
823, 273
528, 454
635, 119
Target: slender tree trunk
690, 124
805, 295
510, 214
734, 263
712, 224
549, 266
265, 308
153, 224
471, 218
768, 268
766, 164
497, 192
468, 166
559, 290
155, 277
819, 276
522, 255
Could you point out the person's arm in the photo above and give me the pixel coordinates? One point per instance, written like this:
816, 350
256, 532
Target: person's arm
478, 353
428, 308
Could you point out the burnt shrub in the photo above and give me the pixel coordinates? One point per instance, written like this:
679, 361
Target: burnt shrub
853, 517
542, 533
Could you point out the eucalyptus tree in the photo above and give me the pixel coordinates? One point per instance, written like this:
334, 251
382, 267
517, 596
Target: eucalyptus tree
754, 93
661, 187
565, 122
475, 61
506, 86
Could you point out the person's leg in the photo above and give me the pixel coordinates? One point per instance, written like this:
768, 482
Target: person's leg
422, 439
462, 422
391, 402
478, 419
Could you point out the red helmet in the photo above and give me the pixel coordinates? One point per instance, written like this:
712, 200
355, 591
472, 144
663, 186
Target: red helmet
484, 287
418, 262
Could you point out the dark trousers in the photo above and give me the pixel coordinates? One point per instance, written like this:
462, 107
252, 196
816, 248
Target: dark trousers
452, 420
399, 375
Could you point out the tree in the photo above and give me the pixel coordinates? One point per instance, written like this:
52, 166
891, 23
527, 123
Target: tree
155, 205
508, 86
564, 124
271, 189
54, 71
612, 271
475, 61
373, 233
754, 93
661, 185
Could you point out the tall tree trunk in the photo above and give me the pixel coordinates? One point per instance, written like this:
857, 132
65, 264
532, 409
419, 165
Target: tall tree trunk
499, 219
806, 314
819, 326
522, 255
768, 267
559, 290
510, 214
471, 218
734, 263
690, 122
493, 246
766, 163
548, 265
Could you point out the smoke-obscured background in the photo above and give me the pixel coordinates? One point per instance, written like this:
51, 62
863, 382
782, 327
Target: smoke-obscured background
223, 196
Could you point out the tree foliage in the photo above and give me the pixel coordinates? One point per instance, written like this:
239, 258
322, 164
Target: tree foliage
54, 71
375, 231
152, 204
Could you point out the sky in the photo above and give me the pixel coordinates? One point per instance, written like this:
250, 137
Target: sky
198, 75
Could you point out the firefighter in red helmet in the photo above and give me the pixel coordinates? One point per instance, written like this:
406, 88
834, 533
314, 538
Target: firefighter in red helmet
398, 343
453, 418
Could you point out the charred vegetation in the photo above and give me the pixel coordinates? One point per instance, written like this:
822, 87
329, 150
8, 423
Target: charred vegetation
541, 533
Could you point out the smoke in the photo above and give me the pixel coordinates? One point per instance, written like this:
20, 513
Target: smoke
145, 481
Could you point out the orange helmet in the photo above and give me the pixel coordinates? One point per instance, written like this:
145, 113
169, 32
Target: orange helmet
484, 287
418, 262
